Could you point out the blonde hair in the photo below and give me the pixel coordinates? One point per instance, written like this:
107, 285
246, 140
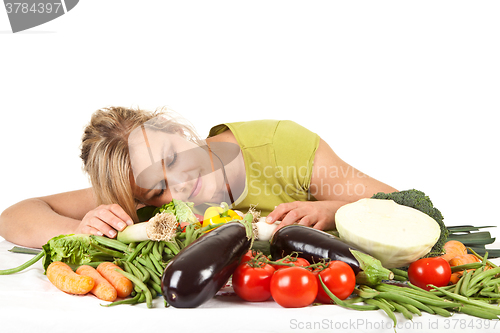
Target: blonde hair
105, 152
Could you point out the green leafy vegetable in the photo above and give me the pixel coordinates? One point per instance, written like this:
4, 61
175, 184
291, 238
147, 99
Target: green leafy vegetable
183, 211
72, 249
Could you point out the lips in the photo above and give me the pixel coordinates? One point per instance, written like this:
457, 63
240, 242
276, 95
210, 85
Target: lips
196, 188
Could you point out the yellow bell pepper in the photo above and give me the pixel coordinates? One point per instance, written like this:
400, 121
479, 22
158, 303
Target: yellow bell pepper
216, 215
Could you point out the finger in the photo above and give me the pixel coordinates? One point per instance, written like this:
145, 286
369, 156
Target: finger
120, 213
101, 227
90, 230
306, 220
279, 212
106, 215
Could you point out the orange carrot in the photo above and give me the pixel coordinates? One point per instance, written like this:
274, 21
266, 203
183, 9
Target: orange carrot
463, 259
102, 288
63, 277
453, 248
122, 285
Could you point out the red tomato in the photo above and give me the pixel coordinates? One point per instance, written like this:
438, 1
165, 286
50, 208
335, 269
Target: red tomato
252, 284
294, 287
339, 278
300, 262
426, 271
183, 226
247, 257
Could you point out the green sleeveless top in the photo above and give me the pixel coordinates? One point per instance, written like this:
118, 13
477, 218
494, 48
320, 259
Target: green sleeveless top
278, 157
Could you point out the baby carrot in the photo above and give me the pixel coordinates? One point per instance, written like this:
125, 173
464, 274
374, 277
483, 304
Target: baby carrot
102, 288
453, 248
122, 285
63, 277
463, 259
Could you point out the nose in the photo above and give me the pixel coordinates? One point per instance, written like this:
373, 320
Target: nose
177, 182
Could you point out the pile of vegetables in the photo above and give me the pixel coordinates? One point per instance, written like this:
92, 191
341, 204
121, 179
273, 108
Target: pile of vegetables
134, 255
396, 268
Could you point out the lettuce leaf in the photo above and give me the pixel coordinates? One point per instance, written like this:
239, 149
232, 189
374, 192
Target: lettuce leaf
183, 211
71, 249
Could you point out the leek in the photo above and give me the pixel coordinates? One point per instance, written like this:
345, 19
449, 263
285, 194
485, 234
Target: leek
161, 227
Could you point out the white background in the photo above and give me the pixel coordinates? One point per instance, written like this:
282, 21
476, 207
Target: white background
408, 92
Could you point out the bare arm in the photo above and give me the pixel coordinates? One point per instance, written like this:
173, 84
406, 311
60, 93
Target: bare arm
33, 222
334, 183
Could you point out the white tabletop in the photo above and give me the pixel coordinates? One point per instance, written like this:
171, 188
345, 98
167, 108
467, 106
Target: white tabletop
30, 303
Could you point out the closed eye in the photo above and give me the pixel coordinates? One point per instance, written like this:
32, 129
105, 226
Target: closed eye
174, 159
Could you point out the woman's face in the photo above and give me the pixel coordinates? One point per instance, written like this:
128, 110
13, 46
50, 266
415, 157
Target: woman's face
170, 168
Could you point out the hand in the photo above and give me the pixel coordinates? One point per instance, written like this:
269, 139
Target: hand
104, 220
317, 214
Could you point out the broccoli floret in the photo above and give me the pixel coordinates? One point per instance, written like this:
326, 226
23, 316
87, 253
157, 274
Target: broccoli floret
418, 200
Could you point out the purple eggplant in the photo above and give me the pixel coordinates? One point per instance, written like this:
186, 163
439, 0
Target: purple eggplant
315, 245
200, 270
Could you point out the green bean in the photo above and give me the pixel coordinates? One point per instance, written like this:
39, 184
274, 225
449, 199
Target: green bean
472, 265
146, 275
110, 252
137, 249
482, 275
142, 297
166, 250
189, 234
417, 296
109, 242
159, 267
154, 276
458, 285
27, 264
400, 308
492, 282
412, 309
131, 269
399, 278
126, 267
141, 285
481, 258
155, 286
133, 300
156, 251
343, 304
384, 307
463, 299
399, 272
172, 246
180, 244
477, 311
146, 263
386, 302
466, 278
161, 246
405, 299
488, 289
150, 264
472, 291
414, 290
94, 263
147, 248
131, 247
489, 294
440, 311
